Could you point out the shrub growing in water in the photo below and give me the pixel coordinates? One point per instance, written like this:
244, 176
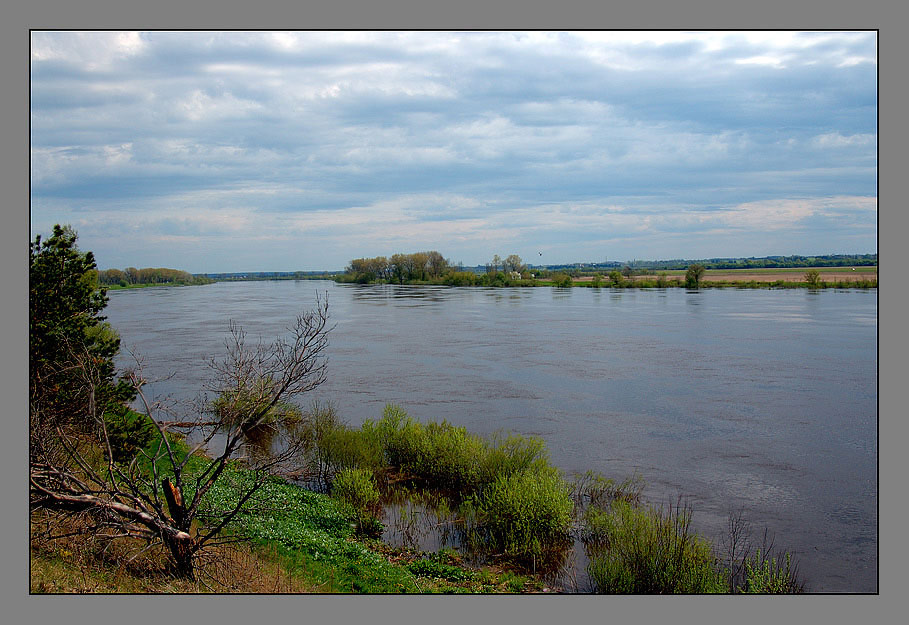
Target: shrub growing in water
765, 575
525, 511
649, 551
355, 488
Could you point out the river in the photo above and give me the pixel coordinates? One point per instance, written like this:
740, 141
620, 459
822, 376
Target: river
735, 399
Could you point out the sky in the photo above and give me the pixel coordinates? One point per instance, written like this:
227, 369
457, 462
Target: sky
301, 150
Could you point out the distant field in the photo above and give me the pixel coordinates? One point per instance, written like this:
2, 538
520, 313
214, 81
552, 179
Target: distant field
787, 274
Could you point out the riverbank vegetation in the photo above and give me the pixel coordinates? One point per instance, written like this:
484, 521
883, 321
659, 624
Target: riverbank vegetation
248, 493
431, 268
131, 278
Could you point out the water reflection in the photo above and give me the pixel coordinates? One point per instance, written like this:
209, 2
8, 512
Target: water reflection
423, 521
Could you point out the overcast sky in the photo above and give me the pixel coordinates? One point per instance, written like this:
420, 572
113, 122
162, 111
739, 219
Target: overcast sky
287, 151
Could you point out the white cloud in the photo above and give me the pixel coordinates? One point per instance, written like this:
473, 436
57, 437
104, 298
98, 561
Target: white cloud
779, 214
836, 140
96, 50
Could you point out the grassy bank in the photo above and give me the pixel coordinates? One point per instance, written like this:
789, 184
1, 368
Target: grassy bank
286, 540
509, 502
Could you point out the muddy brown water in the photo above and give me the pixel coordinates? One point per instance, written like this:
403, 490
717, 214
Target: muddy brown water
756, 400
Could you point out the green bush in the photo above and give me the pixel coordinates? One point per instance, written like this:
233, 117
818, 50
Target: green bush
693, 276
649, 551
330, 445
765, 575
460, 278
561, 279
440, 454
355, 488
506, 454
525, 512
813, 278
247, 406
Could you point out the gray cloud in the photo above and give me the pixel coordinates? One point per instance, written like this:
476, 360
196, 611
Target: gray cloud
590, 143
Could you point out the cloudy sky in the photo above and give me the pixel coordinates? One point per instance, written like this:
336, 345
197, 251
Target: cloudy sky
287, 151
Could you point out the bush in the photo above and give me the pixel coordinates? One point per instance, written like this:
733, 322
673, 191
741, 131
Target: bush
356, 489
693, 276
508, 454
764, 575
330, 445
813, 278
523, 512
647, 550
561, 279
242, 407
460, 278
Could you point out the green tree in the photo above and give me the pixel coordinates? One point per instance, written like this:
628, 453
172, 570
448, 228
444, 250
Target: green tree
157, 493
813, 278
561, 279
693, 276
66, 332
514, 263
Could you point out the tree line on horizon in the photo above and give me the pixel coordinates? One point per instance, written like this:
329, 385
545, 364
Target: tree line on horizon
148, 275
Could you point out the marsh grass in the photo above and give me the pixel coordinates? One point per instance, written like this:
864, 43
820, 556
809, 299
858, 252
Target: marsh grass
646, 550
355, 488
524, 513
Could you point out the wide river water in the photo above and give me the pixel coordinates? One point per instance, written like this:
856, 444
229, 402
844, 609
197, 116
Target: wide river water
762, 400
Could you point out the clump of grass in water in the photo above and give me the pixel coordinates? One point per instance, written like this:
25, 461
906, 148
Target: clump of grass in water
524, 512
355, 488
644, 550
641, 550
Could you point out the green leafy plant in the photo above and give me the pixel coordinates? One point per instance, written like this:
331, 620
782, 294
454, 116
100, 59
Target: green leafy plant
524, 512
765, 575
355, 488
813, 278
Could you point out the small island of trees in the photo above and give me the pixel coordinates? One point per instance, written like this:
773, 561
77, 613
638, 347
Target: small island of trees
149, 276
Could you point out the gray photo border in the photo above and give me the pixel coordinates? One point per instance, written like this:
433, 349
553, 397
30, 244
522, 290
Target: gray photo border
886, 16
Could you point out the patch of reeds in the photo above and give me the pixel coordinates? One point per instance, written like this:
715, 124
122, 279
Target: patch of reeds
646, 550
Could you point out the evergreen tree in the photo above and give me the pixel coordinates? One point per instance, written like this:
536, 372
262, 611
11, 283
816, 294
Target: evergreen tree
71, 347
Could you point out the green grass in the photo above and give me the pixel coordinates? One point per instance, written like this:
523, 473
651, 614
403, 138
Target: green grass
525, 513
642, 550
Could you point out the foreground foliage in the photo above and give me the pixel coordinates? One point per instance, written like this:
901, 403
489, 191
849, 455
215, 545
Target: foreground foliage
642, 550
87, 459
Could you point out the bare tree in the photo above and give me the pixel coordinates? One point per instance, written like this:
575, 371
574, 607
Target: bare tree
155, 495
